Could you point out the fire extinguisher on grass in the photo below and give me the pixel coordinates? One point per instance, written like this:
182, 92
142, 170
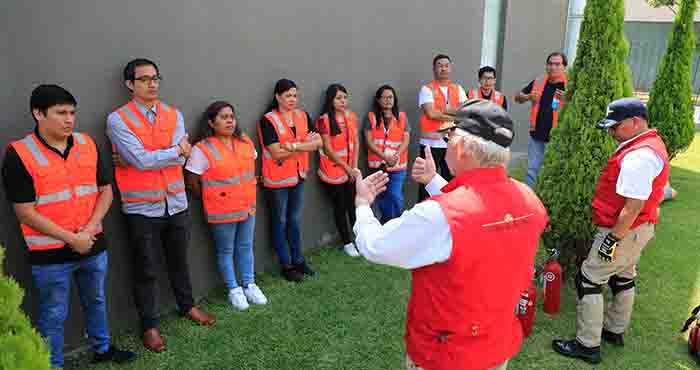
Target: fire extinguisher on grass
527, 307
551, 284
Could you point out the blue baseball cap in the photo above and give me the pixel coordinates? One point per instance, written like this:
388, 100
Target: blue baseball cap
621, 109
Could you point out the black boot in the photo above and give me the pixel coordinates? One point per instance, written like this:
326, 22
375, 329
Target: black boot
572, 348
304, 268
291, 274
612, 338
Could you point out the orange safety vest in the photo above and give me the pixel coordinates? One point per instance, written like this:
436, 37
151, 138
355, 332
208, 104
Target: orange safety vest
343, 145
137, 185
285, 173
429, 127
387, 140
228, 185
66, 190
496, 96
539, 88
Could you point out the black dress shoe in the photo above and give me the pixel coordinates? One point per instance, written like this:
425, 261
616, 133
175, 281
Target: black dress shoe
290, 273
572, 348
612, 338
304, 268
115, 355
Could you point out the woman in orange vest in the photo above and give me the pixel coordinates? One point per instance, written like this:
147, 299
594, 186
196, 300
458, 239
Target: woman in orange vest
387, 135
338, 128
286, 138
221, 169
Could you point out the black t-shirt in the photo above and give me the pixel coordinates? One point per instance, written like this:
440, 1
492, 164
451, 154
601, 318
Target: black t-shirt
269, 135
544, 116
505, 100
19, 187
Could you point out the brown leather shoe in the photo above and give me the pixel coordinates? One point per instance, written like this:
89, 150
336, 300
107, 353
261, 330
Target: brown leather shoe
153, 341
200, 317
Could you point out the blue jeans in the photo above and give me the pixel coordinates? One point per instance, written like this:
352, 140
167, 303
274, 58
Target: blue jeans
53, 282
535, 157
286, 204
235, 238
390, 202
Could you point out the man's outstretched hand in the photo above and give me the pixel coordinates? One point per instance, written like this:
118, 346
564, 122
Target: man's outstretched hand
368, 188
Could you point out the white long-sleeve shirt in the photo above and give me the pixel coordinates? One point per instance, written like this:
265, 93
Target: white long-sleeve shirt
420, 237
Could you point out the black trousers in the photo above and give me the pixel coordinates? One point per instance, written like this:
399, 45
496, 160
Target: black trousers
148, 235
440, 164
343, 201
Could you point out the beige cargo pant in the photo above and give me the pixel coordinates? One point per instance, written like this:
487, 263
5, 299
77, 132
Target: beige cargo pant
592, 316
411, 366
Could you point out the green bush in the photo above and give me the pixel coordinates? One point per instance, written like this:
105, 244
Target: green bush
578, 151
670, 105
21, 347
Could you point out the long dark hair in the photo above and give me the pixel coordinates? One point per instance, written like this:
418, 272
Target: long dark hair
281, 87
328, 108
377, 108
210, 116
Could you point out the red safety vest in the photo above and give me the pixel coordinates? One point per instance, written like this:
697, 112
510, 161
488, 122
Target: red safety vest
387, 140
607, 204
285, 173
343, 145
137, 185
66, 190
460, 314
496, 96
228, 185
538, 86
429, 127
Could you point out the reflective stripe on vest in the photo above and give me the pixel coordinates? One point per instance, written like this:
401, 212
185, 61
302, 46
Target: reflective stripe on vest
384, 139
227, 216
432, 135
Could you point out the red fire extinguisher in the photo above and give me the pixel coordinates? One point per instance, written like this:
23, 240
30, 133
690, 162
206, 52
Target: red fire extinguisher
551, 282
527, 307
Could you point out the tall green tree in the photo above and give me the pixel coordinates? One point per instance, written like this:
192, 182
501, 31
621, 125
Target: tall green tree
578, 151
21, 348
670, 100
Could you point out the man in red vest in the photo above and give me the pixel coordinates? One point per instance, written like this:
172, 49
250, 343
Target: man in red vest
471, 246
546, 96
625, 210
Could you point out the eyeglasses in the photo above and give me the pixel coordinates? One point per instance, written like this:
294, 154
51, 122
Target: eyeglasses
147, 79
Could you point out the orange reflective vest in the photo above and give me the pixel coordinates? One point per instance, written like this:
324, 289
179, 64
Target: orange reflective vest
496, 96
137, 185
387, 141
538, 86
429, 127
228, 185
285, 173
66, 190
343, 145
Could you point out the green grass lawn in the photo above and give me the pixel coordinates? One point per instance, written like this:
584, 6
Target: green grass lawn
351, 315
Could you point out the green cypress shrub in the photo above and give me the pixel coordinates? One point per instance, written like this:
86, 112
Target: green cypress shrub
21, 347
578, 151
670, 105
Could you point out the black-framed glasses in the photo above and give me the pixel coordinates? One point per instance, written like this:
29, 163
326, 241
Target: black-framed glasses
146, 79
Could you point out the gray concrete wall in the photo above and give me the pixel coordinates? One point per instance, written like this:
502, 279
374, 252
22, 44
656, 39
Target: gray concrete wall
531, 33
216, 49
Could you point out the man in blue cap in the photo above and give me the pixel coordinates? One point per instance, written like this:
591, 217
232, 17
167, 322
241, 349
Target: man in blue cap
625, 210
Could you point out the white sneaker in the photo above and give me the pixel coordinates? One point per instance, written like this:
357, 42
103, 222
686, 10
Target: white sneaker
237, 298
350, 250
254, 294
